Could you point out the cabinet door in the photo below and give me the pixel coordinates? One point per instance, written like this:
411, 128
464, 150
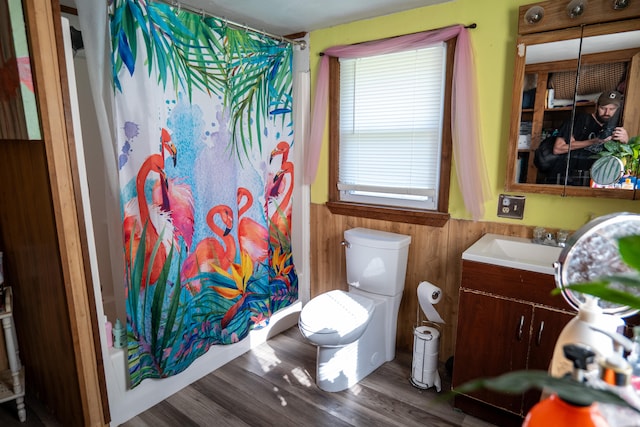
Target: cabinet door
547, 325
492, 338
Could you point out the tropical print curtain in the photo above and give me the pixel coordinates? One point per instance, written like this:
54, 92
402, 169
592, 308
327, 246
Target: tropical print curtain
204, 126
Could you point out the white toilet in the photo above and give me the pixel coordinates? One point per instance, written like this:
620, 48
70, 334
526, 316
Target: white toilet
355, 331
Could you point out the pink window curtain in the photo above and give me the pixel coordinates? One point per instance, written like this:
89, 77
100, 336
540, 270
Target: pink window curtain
467, 147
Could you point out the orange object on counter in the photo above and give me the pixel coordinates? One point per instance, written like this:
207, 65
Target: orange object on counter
555, 412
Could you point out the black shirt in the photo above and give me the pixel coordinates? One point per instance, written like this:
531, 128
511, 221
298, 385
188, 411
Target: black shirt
585, 127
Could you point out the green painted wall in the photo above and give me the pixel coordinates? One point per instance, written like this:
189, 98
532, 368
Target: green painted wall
494, 45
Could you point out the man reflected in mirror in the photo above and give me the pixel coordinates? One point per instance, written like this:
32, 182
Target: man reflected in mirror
590, 132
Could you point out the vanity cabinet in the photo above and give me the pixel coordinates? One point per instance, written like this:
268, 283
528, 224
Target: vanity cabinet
507, 321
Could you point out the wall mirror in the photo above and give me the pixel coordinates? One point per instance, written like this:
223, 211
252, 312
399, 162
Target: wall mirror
562, 66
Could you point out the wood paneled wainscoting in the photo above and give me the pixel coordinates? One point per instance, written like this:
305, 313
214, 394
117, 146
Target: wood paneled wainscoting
435, 256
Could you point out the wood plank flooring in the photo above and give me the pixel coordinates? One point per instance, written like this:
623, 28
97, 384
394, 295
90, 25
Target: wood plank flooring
274, 384
37, 415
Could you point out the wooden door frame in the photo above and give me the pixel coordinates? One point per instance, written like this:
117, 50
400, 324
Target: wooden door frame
49, 71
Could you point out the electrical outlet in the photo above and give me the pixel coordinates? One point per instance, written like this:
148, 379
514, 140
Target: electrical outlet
511, 206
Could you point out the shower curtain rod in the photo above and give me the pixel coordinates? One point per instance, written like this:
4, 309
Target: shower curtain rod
237, 25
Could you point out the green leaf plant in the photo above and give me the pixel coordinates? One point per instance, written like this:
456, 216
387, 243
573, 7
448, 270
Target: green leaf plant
516, 382
629, 153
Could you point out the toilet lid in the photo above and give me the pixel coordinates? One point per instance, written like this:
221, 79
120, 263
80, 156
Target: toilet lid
336, 312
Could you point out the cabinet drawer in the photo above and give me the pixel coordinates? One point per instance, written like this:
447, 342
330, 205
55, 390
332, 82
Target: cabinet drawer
512, 283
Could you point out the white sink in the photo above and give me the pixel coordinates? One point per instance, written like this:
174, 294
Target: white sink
514, 252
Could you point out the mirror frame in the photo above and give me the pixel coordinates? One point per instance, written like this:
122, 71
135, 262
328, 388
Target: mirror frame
554, 29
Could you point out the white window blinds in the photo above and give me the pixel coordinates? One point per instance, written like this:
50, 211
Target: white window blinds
391, 127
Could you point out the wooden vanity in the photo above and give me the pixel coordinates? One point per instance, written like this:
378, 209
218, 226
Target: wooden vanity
507, 320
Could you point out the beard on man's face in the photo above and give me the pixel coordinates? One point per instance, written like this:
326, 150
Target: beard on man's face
603, 118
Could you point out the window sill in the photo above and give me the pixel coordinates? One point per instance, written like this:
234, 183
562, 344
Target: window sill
409, 216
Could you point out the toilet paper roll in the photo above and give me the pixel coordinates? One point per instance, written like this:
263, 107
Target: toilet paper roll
428, 295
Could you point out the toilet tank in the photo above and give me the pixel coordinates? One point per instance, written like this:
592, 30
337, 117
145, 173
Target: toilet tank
376, 260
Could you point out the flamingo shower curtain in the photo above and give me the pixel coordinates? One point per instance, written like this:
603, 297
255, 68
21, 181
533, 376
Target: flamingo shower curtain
204, 126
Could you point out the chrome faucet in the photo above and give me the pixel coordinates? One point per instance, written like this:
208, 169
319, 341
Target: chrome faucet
544, 237
549, 240
562, 237
538, 235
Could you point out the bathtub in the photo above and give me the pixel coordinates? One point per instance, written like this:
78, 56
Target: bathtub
126, 403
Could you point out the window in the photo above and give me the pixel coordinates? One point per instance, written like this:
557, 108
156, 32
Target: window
390, 138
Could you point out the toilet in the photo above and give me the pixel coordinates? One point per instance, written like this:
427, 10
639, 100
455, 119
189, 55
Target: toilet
355, 331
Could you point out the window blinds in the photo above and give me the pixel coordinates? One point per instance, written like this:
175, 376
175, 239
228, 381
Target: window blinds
391, 123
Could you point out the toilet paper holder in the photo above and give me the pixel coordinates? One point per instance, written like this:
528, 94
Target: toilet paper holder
426, 322
428, 296
425, 363
422, 321
426, 338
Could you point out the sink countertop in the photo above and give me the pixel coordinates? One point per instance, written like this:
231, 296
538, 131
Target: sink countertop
513, 252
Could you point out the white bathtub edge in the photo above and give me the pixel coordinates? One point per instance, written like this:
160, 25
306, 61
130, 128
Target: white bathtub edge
125, 404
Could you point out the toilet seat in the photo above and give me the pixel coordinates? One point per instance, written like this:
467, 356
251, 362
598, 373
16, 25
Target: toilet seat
335, 318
